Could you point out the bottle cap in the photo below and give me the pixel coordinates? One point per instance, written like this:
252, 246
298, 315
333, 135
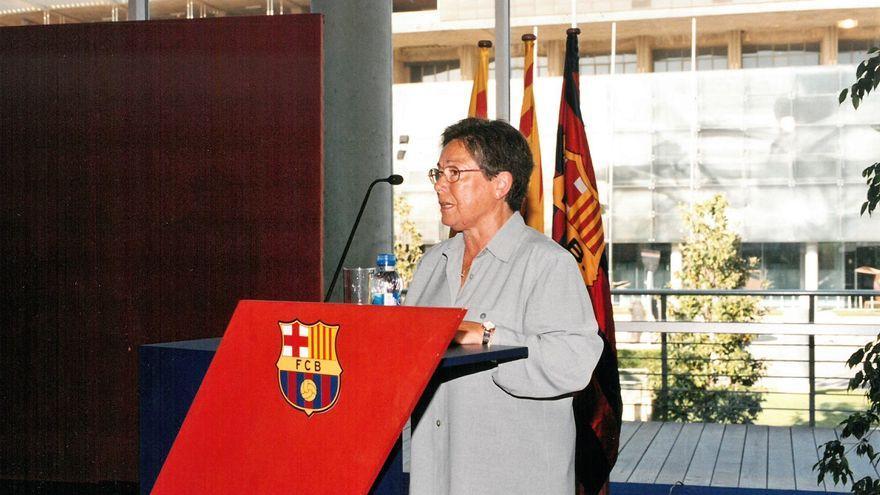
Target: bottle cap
385, 260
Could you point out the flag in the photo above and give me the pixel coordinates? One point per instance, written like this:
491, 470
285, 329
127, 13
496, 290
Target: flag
533, 206
478, 106
577, 226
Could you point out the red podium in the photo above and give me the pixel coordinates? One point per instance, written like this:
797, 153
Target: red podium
307, 397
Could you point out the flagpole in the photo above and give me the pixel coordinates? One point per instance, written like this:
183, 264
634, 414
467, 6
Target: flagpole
610, 217
694, 106
502, 60
613, 46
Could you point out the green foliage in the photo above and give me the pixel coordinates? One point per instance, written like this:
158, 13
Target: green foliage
867, 80
638, 358
872, 179
710, 375
859, 425
407, 240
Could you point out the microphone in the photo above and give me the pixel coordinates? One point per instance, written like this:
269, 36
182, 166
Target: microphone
392, 179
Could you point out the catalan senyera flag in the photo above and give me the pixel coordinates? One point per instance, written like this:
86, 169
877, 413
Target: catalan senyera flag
478, 107
533, 205
577, 226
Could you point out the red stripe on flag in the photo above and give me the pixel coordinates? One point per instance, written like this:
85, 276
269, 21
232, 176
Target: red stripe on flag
325, 390
595, 243
525, 122
588, 236
482, 111
585, 207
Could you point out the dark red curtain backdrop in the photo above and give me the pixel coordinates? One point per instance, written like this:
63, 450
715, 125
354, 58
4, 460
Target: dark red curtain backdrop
153, 174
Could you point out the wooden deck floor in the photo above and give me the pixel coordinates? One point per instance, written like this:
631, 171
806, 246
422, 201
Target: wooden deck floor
716, 458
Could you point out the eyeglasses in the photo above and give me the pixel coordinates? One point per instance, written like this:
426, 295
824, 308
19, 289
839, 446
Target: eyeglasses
452, 174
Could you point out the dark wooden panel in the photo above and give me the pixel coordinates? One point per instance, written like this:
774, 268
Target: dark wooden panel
154, 173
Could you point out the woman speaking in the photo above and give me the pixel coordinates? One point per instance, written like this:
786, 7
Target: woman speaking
509, 429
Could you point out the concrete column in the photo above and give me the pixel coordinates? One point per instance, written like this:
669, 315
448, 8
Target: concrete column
734, 49
357, 129
828, 46
644, 54
811, 266
468, 58
502, 60
675, 266
555, 57
138, 10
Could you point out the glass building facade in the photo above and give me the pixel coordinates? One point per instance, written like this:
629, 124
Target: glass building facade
775, 142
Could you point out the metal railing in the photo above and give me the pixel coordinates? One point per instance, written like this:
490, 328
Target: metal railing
830, 335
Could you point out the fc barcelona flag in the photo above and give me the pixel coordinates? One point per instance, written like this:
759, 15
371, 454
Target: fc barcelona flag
479, 105
577, 226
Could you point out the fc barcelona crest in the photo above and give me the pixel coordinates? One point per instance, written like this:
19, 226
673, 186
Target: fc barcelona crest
308, 368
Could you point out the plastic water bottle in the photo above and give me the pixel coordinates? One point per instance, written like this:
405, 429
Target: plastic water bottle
386, 281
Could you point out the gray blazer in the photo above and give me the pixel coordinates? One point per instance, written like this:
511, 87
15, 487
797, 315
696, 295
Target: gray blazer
509, 429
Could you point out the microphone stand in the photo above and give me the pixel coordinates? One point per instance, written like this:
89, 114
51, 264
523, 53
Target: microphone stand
394, 180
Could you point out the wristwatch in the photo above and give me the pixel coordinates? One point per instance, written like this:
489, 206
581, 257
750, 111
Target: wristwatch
488, 331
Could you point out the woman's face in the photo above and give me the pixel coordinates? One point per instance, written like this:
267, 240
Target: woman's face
464, 203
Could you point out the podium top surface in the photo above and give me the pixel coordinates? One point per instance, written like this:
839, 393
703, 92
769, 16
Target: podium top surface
456, 355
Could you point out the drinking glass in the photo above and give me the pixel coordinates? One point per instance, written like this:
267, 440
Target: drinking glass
356, 284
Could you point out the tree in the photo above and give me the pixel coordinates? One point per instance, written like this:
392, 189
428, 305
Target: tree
711, 375
867, 80
859, 425
407, 240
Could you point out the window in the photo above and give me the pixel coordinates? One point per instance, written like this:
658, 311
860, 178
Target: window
854, 51
780, 55
413, 5
712, 58
779, 263
440, 70
629, 265
624, 63
679, 59
859, 255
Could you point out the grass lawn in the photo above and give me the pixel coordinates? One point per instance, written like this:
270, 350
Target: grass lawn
826, 399
778, 409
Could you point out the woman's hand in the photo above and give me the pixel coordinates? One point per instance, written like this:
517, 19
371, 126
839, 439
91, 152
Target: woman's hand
469, 332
